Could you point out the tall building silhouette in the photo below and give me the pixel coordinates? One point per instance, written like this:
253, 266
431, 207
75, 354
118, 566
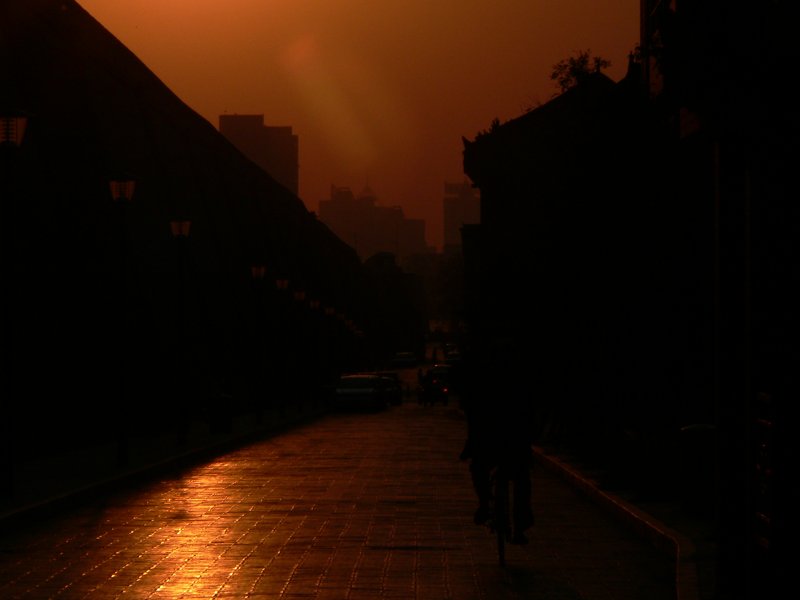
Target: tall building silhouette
369, 228
461, 206
273, 148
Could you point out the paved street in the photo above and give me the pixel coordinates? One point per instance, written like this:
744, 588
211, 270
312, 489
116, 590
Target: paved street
369, 506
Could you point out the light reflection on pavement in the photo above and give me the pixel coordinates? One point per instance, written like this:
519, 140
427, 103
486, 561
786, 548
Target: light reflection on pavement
351, 506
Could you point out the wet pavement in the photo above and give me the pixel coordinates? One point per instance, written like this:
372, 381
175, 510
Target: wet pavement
350, 506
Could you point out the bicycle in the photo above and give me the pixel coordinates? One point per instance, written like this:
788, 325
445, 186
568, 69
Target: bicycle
500, 511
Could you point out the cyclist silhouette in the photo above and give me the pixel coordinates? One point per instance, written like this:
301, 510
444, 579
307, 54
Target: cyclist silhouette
499, 431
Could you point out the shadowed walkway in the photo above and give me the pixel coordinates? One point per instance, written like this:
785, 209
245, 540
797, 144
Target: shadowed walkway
350, 506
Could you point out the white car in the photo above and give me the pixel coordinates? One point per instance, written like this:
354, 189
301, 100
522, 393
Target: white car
361, 391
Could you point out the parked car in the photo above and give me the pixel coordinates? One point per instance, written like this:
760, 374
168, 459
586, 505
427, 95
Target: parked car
361, 392
404, 359
394, 387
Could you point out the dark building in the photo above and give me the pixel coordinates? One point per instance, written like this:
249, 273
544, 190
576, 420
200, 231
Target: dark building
461, 206
155, 269
635, 247
273, 148
717, 71
568, 245
370, 228
403, 330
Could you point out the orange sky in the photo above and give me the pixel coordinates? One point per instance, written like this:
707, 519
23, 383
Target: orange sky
378, 91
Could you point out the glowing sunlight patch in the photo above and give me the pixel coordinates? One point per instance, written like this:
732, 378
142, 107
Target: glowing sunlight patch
325, 98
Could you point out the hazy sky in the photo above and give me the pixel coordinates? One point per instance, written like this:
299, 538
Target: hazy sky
378, 91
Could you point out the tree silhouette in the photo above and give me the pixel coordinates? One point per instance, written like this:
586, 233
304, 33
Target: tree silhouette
571, 71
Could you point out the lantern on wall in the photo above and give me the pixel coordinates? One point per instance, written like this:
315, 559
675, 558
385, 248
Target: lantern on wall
12, 129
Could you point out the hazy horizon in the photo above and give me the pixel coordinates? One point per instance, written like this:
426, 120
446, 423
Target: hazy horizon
378, 95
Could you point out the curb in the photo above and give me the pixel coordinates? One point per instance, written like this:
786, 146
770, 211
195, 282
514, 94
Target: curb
675, 545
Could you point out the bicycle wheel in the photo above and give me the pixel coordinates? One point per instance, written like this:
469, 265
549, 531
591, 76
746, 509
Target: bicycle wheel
501, 516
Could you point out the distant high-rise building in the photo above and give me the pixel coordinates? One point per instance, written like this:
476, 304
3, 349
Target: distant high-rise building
369, 228
273, 148
462, 206
412, 239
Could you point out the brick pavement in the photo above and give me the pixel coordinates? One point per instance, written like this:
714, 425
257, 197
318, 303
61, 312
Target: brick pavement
374, 506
